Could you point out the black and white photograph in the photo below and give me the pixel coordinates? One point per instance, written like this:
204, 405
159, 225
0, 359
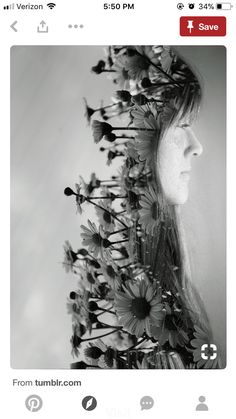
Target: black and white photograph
118, 207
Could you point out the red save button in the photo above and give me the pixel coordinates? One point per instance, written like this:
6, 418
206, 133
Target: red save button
203, 26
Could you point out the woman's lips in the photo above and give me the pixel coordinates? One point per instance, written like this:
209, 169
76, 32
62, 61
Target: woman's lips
185, 174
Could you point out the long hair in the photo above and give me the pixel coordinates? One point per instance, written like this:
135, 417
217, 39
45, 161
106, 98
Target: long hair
166, 248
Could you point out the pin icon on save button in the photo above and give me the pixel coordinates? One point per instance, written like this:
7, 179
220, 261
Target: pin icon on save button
203, 26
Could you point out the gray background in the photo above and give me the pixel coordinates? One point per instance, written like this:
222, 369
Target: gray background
51, 145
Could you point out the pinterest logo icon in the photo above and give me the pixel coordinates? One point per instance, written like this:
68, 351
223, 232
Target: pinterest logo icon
34, 403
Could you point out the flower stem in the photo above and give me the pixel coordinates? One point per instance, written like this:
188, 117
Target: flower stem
118, 231
108, 180
116, 327
107, 107
132, 347
105, 311
108, 197
98, 337
108, 212
132, 128
112, 326
120, 241
125, 136
159, 68
126, 266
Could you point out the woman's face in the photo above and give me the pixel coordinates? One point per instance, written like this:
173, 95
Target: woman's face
176, 150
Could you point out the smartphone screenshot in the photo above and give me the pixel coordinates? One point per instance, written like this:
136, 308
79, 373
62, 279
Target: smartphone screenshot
117, 214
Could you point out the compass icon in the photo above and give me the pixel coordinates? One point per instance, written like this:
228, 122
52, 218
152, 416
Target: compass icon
89, 403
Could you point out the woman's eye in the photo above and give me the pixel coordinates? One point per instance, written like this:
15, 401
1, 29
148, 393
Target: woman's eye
184, 126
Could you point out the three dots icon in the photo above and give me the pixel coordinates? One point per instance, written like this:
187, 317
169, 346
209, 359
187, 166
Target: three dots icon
75, 26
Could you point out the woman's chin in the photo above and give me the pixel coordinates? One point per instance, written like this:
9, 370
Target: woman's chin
178, 198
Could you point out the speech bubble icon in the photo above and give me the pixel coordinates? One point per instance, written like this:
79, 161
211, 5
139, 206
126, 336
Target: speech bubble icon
146, 402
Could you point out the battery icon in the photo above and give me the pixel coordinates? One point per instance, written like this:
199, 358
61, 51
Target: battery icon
224, 6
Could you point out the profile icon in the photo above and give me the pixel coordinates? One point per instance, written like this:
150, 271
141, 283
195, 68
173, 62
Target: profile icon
202, 406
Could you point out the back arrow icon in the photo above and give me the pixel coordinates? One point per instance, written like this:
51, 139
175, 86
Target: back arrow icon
13, 26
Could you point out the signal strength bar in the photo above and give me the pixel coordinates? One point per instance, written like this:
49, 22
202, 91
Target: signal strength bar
9, 6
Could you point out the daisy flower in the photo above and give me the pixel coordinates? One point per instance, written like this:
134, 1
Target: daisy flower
100, 129
99, 354
70, 257
146, 141
137, 67
79, 199
146, 146
123, 95
139, 64
170, 332
88, 111
77, 307
78, 331
111, 273
150, 212
74, 310
112, 154
202, 337
94, 351
122, 75
147, 112
91, 186
105, 218
131, 151
108, 359
95, 239
138, 306
89, 279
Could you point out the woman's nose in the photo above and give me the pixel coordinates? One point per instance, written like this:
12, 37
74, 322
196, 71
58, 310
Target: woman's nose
194, 147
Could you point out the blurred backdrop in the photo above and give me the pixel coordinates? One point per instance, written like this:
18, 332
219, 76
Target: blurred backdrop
51, 145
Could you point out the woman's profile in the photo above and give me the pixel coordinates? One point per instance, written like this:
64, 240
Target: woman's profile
135, 305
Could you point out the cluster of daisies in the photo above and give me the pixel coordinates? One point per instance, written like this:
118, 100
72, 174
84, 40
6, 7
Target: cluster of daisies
122, 315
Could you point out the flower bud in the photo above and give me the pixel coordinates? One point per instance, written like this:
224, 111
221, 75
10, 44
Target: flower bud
68, 191
93, 306
93, 352
123, 95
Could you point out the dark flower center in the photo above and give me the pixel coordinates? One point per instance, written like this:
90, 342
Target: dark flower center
109, 356
142, 63
133, 199
107, 217
90, 278
110, 271
93, 352
140, 307
97, 239
72, 256
74, 307
90, 188
90, 111
169, 324
76, 341
147, 114
125, 74
154, 210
